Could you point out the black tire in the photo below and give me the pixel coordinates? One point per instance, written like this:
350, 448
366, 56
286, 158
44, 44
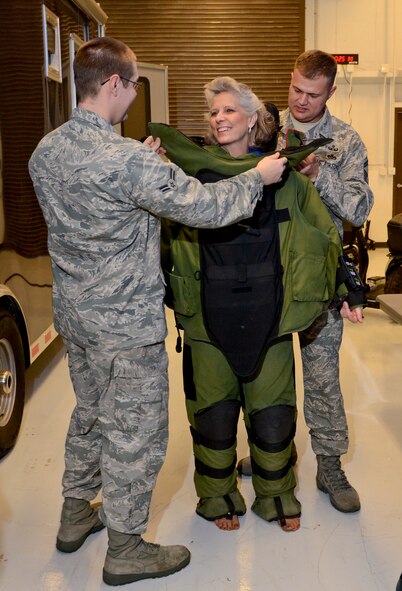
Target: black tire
393, 281
12, 386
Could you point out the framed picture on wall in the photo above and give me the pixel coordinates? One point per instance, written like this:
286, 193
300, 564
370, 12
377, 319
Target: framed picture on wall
51, 44
74, 43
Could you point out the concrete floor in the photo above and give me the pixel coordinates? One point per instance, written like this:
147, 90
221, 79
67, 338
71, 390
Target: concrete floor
331, 552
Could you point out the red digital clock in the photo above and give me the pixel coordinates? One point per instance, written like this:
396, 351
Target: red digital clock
345, 59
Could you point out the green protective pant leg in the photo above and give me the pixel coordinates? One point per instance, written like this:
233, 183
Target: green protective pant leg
208, 383
274, 386
209, 380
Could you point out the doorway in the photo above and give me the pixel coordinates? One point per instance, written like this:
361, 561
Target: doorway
397, 189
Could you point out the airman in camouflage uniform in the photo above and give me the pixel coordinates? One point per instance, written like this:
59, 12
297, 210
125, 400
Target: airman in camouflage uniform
340, 174
102, 196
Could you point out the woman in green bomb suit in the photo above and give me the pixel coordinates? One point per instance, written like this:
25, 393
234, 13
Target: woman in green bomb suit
227, 290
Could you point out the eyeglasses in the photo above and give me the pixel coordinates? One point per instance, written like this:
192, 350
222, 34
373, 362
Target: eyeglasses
137, 85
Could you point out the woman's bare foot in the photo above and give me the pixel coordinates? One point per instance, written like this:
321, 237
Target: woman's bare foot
228, 524
290, 523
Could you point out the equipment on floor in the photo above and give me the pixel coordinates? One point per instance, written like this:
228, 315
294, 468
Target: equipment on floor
356, 244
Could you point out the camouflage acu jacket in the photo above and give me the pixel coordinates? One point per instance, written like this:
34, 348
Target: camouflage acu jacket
342, 181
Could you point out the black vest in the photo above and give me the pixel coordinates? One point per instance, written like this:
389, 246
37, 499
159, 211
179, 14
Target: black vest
241, 283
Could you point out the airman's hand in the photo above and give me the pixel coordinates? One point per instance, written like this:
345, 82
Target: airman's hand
155, 145
310, 167
271, 168
355, 315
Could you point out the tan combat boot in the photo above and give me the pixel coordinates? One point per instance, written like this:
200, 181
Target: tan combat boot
331, 479
78, 521
129, 558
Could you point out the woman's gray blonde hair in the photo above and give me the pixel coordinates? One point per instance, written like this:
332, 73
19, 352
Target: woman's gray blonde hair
264, 126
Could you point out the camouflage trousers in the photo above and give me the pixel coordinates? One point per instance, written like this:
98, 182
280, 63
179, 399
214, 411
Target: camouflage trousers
324, 411
118, 432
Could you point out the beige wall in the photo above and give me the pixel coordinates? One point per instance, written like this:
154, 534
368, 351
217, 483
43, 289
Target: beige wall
366, 96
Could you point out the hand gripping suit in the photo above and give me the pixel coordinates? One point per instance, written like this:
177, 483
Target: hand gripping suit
239, 293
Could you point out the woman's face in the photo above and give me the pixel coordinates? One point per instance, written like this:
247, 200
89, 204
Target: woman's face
230, 123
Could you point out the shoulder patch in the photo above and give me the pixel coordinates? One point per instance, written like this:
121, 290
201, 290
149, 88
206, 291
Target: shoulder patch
171, 185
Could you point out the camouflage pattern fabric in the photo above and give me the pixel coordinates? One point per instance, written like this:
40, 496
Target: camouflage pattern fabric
118, 431
324, 411
342, 183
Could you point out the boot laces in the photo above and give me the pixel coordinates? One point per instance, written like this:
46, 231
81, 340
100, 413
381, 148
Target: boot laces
148, 548
334, 475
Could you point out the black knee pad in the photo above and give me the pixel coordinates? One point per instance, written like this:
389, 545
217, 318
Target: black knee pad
216, 426
273, 428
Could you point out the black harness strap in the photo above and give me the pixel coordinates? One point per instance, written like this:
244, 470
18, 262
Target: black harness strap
282, 215
219, 444
272, 447
270, 474
205, 470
